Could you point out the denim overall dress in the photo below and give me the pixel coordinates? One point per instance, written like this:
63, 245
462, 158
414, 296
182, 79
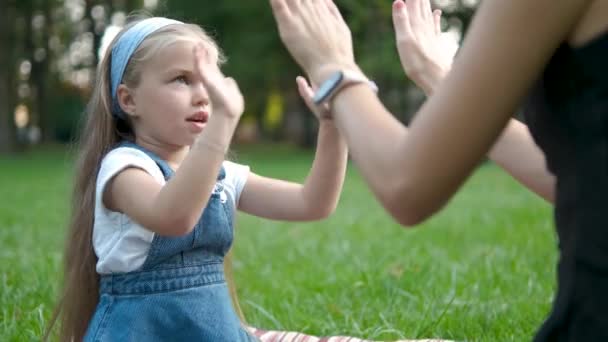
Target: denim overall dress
179, 293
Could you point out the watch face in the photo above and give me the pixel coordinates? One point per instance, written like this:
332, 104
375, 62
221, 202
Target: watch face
327, 87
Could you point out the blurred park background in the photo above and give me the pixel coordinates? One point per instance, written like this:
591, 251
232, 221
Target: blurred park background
49, 50
481, 270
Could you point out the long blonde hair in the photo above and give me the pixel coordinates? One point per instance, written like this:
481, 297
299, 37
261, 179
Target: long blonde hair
100, 133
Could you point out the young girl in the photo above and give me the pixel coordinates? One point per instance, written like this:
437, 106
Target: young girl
154, 199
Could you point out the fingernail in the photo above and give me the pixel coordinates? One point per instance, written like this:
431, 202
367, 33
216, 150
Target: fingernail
398, 4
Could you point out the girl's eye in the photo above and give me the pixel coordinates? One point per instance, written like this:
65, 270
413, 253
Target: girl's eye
181, 79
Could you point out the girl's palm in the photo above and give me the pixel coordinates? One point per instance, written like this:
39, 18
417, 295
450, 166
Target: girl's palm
224, 92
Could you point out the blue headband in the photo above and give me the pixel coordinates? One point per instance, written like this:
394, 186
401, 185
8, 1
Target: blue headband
124, 48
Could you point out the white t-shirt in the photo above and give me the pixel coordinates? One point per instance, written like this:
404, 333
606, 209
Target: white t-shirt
121, 244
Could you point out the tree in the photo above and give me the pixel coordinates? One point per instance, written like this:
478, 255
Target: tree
41, 76
7, 127
246, 31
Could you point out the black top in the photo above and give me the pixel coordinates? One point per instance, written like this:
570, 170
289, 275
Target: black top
567, 114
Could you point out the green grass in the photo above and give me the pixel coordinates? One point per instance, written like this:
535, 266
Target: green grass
481, 270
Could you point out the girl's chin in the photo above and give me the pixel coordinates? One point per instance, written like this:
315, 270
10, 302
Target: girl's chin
196, 126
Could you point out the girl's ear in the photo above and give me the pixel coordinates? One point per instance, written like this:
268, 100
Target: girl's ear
126, 101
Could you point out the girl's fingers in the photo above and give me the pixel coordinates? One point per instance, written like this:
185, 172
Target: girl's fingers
212, 78
304, 89
214, 82
401, 21
307, 93
414, 8
333, 9
437, 20
426, 8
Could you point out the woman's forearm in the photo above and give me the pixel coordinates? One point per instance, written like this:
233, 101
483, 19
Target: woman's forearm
379, 160
517, 153
373, 140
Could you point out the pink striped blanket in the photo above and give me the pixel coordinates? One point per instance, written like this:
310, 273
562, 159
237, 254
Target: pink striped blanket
290, 336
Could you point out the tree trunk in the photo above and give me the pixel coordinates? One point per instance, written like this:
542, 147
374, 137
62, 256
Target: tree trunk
7, 128
97, 28
29, 45
7, 136
130, 6
42, 79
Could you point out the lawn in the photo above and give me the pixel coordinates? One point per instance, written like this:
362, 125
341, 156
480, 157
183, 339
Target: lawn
481, 270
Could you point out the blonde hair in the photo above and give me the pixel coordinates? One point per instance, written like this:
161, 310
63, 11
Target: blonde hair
101, 132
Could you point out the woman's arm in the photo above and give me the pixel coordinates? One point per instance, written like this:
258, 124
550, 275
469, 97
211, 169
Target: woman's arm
517, 153
415, 174
427, 57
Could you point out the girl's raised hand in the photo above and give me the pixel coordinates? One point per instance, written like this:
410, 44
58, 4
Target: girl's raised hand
224, 92
307, 93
